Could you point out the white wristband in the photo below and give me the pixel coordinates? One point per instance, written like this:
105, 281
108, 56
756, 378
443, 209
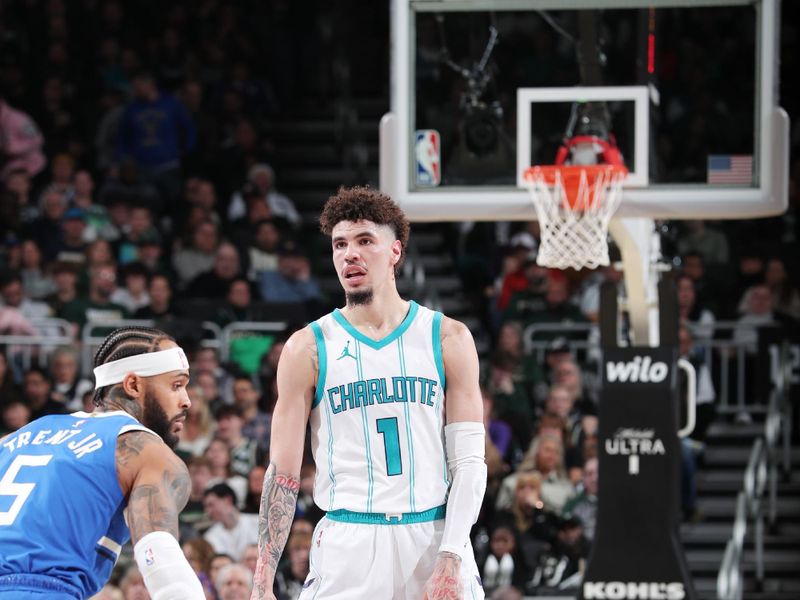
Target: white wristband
165, 570
466, 447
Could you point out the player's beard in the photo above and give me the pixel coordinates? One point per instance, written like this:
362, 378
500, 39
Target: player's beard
360, 298
156, 419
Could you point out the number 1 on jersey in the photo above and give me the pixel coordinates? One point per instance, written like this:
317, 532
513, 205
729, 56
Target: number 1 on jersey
391, 445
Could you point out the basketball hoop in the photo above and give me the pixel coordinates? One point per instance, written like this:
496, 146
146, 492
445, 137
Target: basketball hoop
574, 205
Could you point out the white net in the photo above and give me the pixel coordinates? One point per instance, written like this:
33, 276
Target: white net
574, 229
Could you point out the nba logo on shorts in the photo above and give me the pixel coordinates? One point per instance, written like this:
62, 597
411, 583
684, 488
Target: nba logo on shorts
427, 152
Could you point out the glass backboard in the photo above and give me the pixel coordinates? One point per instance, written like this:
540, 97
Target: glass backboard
685, 91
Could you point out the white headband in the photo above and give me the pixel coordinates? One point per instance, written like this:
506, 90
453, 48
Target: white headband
144, 365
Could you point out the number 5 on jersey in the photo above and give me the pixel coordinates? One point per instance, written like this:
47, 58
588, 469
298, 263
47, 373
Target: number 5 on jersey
9, 487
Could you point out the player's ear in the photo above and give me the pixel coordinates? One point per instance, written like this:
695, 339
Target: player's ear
397, 251
133, 385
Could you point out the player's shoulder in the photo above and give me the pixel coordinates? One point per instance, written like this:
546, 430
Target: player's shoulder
454, 329
301, 343
138, 446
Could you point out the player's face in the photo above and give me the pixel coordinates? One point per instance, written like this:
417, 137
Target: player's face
364, 255
166, 403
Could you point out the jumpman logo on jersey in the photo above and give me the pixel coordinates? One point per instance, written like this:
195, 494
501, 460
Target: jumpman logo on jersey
346, 352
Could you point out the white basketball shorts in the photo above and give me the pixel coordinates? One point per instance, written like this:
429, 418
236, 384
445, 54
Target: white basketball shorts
355, 561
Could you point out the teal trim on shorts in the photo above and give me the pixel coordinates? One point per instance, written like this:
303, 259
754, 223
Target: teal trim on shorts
437, 348
378, 344
322, 357
348, 516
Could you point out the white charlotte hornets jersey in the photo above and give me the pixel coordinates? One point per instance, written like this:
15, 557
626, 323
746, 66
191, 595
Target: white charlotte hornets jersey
377, 418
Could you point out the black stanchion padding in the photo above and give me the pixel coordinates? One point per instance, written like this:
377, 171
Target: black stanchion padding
637, 553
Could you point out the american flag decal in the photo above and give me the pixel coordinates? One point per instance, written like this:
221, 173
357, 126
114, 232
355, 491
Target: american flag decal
730, 168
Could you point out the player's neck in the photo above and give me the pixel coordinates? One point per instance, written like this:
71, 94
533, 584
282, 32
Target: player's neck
383, 314
118, 401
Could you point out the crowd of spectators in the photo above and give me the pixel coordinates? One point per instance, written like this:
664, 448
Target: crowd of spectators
136, 182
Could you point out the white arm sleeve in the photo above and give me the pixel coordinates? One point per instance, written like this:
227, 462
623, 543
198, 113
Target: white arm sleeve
466, 448
165, 570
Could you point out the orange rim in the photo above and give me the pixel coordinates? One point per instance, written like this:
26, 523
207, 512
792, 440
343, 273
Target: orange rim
571, 177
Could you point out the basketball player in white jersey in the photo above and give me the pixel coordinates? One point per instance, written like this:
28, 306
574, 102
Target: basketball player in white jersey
390, 389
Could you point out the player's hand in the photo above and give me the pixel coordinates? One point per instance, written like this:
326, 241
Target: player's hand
445, 582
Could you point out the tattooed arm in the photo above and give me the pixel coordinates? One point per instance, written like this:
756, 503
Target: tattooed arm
297, 377
156, 481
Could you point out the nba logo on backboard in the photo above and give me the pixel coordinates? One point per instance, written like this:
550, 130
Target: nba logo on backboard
427, 152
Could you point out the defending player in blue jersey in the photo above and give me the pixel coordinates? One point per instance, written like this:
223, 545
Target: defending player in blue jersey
69, 483
390, 390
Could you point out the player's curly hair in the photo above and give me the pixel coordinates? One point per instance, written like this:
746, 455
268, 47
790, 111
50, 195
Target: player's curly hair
364, 203
122, 343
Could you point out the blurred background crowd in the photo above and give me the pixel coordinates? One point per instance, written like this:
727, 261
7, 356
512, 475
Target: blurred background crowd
138, 180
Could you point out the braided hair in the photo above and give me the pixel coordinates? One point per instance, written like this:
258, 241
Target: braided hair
122, 343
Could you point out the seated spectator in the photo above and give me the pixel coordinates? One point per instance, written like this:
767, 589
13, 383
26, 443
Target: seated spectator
13, 295
214, 282
244, 451
46, 230
255, 485
527, 299
238, 304
37, 392
250, 557
14, 414
126, 189
132, 584
98, 222
785, 294
759, 310
71, 245
37, 283
16, 201
219, 458
499, 440
20, 141
68, 385
562, 567
232, 530
705, 394
700, 319
151, 253
140, 224
568, 374
206, 360
557, 305
291, 576
9, 388
504, 564
262, 176
512, 403
199, 257
161, 307
545, 456
199, 426
257, 424
262, 253
97, 307
133, 295
306, 508
198, 553
234, 582
211, 388
65, 282
200, 475
584, 505
706, 241
535, 527
292, 282
590, 296
218, 562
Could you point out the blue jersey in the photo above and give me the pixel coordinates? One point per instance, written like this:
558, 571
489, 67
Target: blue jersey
60, 500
